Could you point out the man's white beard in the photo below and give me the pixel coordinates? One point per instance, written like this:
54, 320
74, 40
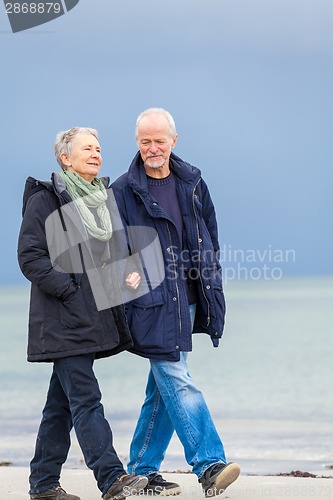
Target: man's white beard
159, 165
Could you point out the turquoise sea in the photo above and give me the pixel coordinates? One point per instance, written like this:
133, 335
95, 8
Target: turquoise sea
268, 385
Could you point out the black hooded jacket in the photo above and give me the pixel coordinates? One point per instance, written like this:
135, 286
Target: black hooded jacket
64, 319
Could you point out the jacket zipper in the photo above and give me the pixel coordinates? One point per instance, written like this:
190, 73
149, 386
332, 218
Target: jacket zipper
198, 239
177, 288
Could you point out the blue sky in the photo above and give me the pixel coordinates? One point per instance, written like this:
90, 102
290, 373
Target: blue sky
249, 83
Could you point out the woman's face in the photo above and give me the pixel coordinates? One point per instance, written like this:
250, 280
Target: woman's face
85, 158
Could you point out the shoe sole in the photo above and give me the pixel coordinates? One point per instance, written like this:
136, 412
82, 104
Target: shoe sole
171, 492
162, 492
132, 489
226, 477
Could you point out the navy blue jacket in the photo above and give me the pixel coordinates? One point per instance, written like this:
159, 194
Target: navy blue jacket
64, 319
160, 321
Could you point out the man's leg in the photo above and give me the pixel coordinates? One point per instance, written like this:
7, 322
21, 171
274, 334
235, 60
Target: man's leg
189, 414
154, 429
53, 440
150, 441
152, 433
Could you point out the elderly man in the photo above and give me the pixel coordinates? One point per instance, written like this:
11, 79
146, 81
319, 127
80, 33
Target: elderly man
66, 235
163, 192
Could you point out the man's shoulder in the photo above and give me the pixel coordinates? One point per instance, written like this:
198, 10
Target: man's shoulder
184, 169
121, 182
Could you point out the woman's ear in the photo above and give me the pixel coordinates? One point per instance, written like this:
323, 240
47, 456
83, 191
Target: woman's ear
65, 160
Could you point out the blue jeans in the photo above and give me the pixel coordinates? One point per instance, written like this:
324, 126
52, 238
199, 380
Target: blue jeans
73, 398
174, 403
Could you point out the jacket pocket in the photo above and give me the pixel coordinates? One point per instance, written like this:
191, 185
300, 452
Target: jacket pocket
220, 309
146, 320
73, 311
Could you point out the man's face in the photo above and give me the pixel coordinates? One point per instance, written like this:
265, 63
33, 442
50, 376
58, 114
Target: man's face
85, 158
155, 142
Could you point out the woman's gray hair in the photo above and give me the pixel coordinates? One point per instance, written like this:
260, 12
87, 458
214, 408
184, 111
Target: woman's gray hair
157, 111
63, 142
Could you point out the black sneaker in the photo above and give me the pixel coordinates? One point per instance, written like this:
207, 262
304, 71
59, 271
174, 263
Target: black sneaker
218, 477
125, 486
157, 485
55, 493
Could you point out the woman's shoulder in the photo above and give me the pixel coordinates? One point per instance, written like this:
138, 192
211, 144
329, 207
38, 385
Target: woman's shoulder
35, 190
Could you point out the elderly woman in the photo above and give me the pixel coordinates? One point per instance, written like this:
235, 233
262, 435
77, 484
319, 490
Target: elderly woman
65, 237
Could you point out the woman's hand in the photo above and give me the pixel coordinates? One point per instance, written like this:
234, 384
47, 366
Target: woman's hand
133, 280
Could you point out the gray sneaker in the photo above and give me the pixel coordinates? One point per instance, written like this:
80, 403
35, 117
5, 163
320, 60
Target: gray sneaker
125, 486
218, 477
55, 493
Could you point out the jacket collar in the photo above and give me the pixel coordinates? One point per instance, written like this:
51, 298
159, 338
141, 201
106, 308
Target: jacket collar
184, 171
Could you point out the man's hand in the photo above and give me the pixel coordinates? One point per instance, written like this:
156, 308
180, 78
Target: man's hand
133, 280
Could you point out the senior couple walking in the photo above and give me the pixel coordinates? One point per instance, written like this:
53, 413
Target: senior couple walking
132, 266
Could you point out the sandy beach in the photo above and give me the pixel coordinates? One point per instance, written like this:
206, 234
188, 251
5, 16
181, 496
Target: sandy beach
14, 486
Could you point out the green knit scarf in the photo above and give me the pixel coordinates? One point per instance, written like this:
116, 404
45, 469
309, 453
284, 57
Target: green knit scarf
88, 195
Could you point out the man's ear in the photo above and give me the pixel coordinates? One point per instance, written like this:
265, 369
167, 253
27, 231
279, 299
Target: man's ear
174, 141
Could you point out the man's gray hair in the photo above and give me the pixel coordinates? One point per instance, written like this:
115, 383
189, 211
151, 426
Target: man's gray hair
63, 142
157, 111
